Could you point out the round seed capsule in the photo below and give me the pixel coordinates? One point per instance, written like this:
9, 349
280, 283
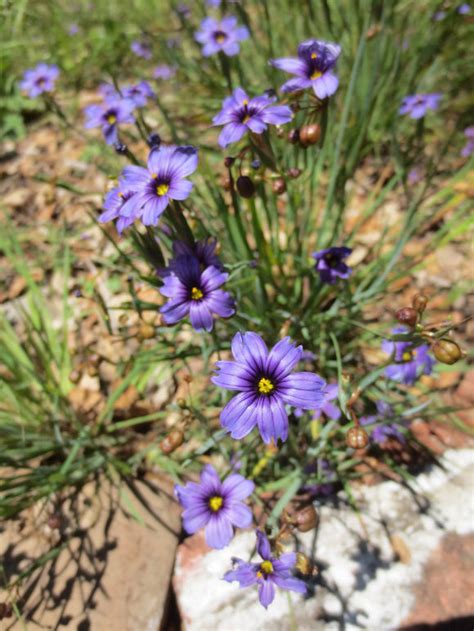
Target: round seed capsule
306, 519
172, 441
357, 438
310, 134
279, 186
245, 186
407, 315
446, 351
419, 302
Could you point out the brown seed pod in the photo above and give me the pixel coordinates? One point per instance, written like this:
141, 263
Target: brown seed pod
419, 302
54, 521
304, 565
407, 315
75, 376
279, 186
6, 610
146, 331
294, 172
357, 438
172, 441
294, 136
306, 519
245, 186
446, 351
229, 161
310, 134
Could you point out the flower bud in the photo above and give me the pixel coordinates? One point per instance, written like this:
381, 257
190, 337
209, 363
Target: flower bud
357, 438
154, 140
446, 351
120, 148
419, 302
181, 402
75, 376
146, 331
255, 164
54, 521
294, 172
306, 519
407, 315
279, 186
294, 136
172, 441
245, 186
310, 134
270, 92
229, 161
6, 610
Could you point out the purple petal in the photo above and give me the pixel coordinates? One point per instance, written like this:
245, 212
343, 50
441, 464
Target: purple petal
239, 514
292, 584
218, 532
283, 357
232, 376
304, 390
294, 85
263, 546
266, 592
245, 574
326, 85
239, 415
232, 132
250, 349
200, 316
210, 480
180, 189
195, 518
236, 487
285, 562
272, 419
290, 64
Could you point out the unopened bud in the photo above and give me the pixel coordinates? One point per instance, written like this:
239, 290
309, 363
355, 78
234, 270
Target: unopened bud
54, 521
172, 441
75, 376
6, 611
245, 186
229, 161
94, 359
310, 134
294, 172
419, 302
294, 136
154, 140
279, 186
446, 351
407, 315
255, 164
306, 519
146, 331
120, 148
270, 92
357, 438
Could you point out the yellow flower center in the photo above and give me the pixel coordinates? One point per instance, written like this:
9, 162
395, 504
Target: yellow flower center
265, 386
245, 102
316, 74
407, 356
196, 293
215, 503
162, 189
313, 55
220, 37
266, 567
111, 119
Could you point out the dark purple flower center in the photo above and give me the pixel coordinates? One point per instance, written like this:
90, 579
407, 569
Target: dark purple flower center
220, 36
317, 62
215, 503
40, 81
246, 112
331, 259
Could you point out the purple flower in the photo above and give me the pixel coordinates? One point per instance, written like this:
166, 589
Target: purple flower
203, 251
73, 29
415, 175
215, 506
164, 71
439, 16
139, 93
108, 92
141, 49
265, 383
269, 572
313, 68
383, 430
409, 362
195, 293
39, 79
221, 36
469, 147
113, 204
416, 105
464, 9
330, 264
109, 115
162, 181
240, 114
